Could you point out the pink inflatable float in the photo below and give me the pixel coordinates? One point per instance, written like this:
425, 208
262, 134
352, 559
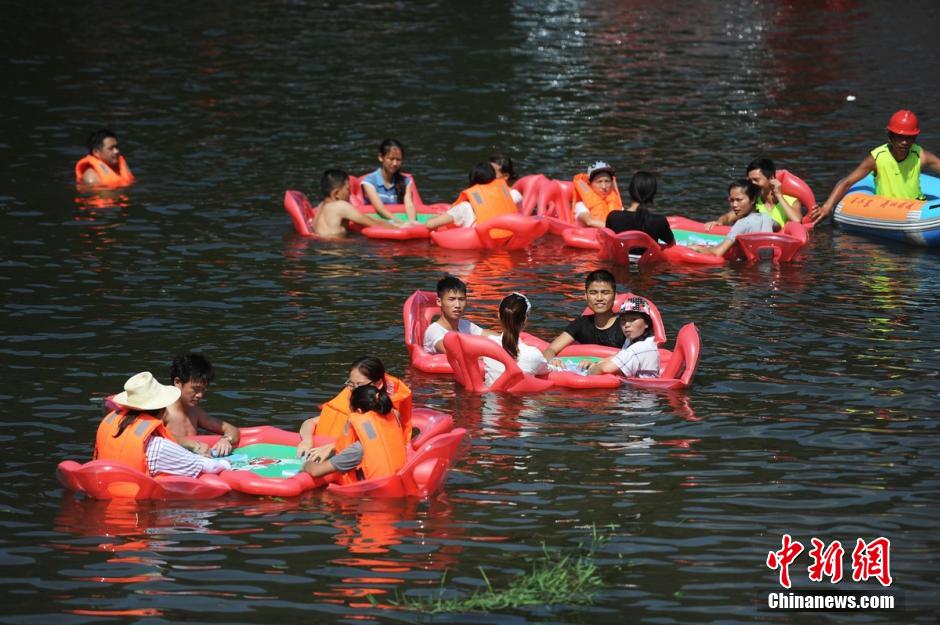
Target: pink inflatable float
266, 464
524, 231
302, 214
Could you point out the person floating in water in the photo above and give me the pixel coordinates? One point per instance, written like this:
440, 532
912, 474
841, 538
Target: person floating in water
896, 166
104, 165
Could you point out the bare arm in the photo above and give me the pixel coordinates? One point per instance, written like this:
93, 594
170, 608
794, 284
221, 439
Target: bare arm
725, 220
562, 341
588, 220
603, 366
306, 435
838, 192
349, 212
376, 202
716, 250
793, 210
439, 220
174, 424
90, 176
410, 203
930, 160
230, 433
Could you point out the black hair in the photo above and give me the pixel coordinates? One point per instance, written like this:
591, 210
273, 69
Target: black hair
332, 179
450, 283
649, 324
398, 179
126, 420
765, 165
192, 366
643, 191
513, 311
482, 173
600, 275
96, 138
504, 165
750, 189
371, 367
367, 398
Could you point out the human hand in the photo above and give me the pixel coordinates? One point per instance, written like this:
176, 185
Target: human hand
321, 453
557, 363
200, 449
222, 447
775, 187
303, 448
710, 224
818, 213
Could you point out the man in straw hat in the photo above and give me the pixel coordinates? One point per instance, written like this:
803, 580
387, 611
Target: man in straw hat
134, 434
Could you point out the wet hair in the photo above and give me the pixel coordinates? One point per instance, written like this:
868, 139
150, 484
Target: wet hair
398, 179
513, 311
332, 179
96, 138
600, 275
482, 173
368, 398
765, 165
750, 189
450, 283
192, 366
504, 165
371, 367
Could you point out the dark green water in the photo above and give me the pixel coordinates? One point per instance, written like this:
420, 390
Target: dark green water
814, 411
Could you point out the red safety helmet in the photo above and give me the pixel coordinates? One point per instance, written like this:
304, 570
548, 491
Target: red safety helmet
904, 122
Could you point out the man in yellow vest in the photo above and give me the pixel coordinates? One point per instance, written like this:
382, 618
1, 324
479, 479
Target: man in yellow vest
896, 166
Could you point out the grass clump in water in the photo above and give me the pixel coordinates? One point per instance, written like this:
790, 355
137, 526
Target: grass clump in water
555, 578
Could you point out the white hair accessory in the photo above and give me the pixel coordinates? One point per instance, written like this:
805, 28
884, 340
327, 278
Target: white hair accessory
528, 304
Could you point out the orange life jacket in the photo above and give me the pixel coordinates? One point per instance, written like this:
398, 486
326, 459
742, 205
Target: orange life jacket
335, 413
599, 206
130, 445
490, 200
107, 177
382, 450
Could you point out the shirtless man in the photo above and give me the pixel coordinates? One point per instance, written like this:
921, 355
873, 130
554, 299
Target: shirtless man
335, 210
192, 374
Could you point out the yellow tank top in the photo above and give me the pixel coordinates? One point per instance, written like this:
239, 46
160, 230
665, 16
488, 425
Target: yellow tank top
897, 180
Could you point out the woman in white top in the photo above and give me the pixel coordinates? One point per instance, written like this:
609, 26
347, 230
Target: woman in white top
513, 314
639, 356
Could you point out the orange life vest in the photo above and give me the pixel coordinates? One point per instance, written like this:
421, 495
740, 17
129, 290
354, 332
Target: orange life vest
335, 413
382, 450
107, 177
130, 445
599, 206
490, 200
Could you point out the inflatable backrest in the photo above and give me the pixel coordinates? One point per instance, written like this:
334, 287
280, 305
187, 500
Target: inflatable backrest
417, 313
796, 230
659, 330
301, 212
791, 184
772, 246
426, 470
555, 201
432, 423
684, 359
464, 353
531, 188
523, 231
617, 247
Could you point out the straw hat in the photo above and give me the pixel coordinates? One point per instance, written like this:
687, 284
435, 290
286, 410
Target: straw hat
142, 392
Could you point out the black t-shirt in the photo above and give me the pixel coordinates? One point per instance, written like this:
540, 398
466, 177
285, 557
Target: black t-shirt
583, 330
655, 225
